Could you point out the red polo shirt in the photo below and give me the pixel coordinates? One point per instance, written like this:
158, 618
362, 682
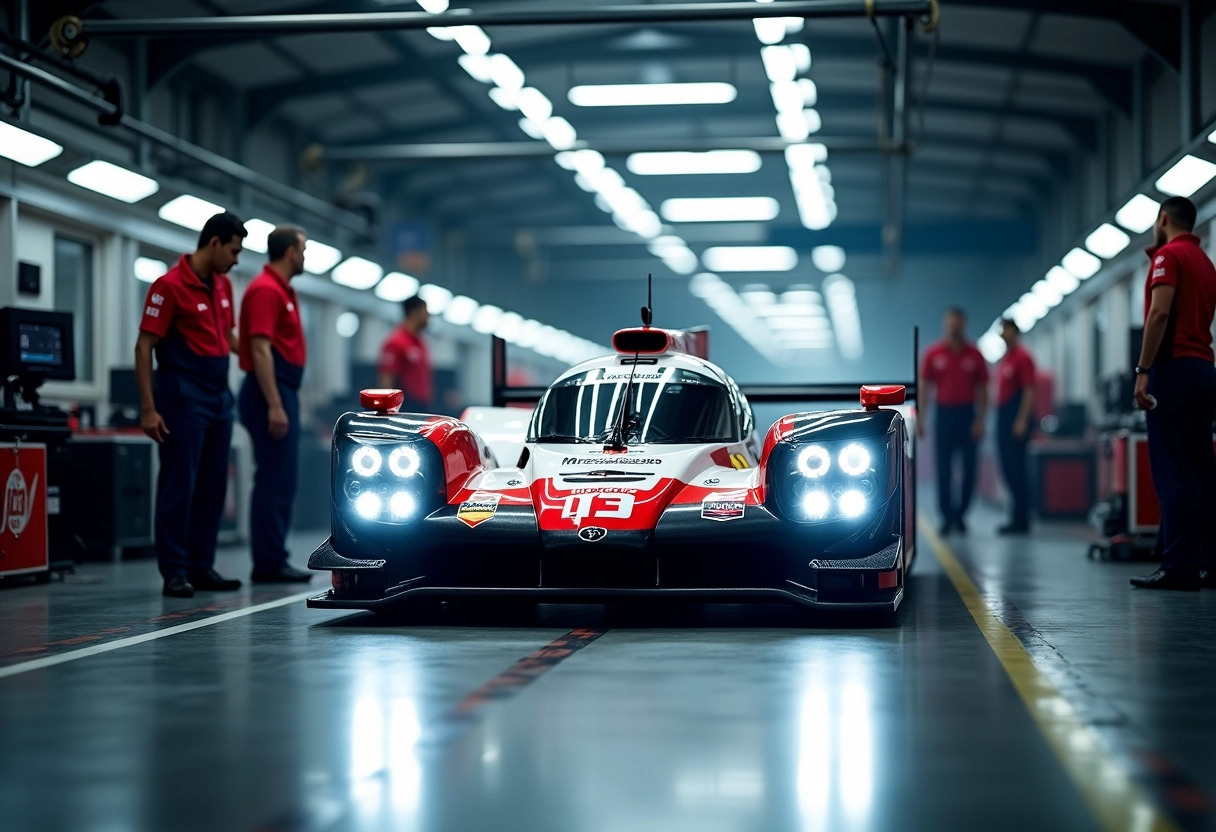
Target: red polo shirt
270, 309
1015, 373
180, 302
954, 375
405, 356
1181, 263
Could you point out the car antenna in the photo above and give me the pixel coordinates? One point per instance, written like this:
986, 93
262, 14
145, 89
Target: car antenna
616, 439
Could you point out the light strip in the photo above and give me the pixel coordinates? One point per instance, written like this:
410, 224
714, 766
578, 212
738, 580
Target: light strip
679, 163
1081, 263
720, 209
846, 321
257, 237
356, 273
396, 287
1107, 241
1188, 175
114, 182
1138, 214
149, 270
751, 258
649, 95
26, 148
189, 211
320, 257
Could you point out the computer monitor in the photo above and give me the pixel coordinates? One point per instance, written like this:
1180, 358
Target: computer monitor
36, 343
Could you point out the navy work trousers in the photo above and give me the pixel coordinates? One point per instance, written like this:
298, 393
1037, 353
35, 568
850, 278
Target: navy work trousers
193, 477
1013, 460
275, 474
1182, 461
952, 438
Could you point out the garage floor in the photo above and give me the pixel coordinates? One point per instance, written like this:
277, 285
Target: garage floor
1023, 688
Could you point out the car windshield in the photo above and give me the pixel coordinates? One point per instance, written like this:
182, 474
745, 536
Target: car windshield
667, 405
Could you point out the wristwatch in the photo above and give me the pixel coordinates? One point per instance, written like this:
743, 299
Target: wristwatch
1141, 370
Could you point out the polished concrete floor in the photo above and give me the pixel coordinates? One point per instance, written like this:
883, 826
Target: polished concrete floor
588, 718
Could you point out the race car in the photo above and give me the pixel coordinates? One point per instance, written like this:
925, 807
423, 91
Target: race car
640, 474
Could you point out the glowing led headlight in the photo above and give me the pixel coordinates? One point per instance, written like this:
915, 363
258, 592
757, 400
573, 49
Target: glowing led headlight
366, 461
404, 462
852, 504
368, 505
814, 461
854, 460
401, 505
816, 505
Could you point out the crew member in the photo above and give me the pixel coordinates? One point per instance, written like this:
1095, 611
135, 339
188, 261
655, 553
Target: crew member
1176, 384
272, 354
404, 360
955, 371
188, 323
1014, 407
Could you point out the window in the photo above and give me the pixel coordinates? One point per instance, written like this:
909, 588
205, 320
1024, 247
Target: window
74, 293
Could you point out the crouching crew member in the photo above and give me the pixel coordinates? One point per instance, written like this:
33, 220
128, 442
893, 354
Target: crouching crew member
188, 323
1176, 384
272, 354
1014, 407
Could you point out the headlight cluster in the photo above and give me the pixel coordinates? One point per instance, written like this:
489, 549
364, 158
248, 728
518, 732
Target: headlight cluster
384, 493
831, 481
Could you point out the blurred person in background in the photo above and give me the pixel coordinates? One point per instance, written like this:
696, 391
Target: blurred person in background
954, 376
405, 362
1014, 407
1176, 385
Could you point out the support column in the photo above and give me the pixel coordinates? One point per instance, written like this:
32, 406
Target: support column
8, 251
1190, 81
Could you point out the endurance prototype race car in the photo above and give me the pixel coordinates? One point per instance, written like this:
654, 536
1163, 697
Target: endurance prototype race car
637, 474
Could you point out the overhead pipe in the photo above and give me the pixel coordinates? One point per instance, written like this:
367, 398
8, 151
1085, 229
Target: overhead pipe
111, 113
70, 35
897, 162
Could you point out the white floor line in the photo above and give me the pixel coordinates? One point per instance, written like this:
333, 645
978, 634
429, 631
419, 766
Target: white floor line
85, 652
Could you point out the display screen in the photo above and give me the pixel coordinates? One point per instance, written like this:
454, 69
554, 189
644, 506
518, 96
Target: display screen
41, 344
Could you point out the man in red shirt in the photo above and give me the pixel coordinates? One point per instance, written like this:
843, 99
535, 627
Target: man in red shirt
273, 352
1176, 384
404, 361
955, 371
1014, 404
188, 323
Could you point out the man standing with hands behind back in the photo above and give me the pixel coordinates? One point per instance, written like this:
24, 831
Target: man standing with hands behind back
1176, 384
188, 323
273, 352
955, 370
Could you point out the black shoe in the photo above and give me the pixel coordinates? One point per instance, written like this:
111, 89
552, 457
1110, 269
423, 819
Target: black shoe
1014, 528
285, 574
1207, 579
945, 528
960, 525
214, 581
178, 587
1168, 579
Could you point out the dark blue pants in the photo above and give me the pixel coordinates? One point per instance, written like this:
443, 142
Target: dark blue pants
274, 479
1013, 460
1181, 458
952, 438
193, 477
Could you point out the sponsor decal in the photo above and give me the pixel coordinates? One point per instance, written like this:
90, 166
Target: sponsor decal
513, 483
604, 491
19, 502
624, 460
592, 534
479, 508
158, 299
739, 461
1159, 272
578, 507
711, 481
152, 312
202, 307
716, 508
291, 307
636, 377
224, 302
1160, 259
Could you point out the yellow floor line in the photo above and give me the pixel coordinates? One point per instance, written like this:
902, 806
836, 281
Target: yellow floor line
1117, 802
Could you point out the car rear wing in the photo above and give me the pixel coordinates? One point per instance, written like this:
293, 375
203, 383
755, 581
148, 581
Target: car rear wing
504, 395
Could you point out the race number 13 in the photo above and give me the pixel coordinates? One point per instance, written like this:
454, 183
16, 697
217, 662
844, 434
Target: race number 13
577, 507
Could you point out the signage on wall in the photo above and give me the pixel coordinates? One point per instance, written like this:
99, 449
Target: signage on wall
410, 246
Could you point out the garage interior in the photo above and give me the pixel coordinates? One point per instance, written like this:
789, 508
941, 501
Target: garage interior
851, 168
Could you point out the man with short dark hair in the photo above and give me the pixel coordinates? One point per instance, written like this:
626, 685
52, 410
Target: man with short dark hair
272, 353
1014, 405
188, 323
1176, 385
404, 360
955, 370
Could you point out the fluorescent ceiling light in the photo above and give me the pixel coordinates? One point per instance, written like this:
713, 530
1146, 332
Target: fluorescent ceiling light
347, 324
683, 162
437, 298
772, 30
1033, 304
585, 161
189, 211
505, 72
534, 105
804, 157
1062, 280
720, 209
1187, 176
434, 6
472, 39
846, 321
486, 319
357, 273
508, 326
750, 258
814, 121
25, 147
479, 67
529, 334
113, 181
507, 98
257, 237
828, 259
779, 63
641, 95
992, 346
1107, 241
559, 133
461, 310
1212, 137
532, 129
396, 287
319, 257
1139, 214
1081, 263
793, 126
148, 270
1047, 293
